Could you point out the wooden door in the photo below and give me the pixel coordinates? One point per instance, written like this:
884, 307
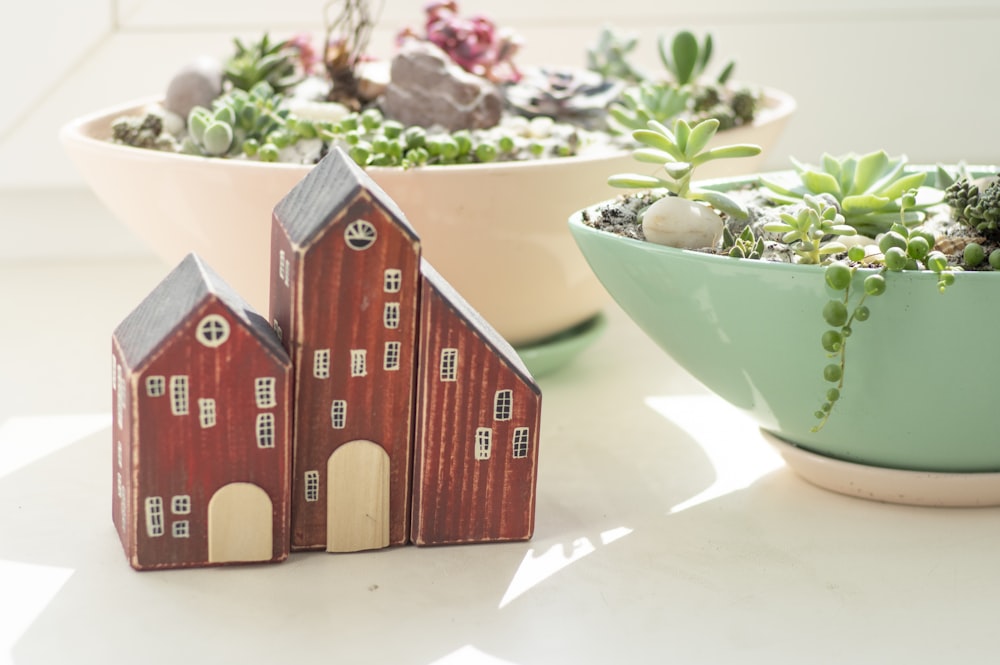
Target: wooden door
357, 509
240, 524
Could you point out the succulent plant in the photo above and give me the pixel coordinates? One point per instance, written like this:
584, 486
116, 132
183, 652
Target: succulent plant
475, 44
640, 104
808, 231
978, 209
145, 131
567, 94
240, 122
868, 189
686, 59
609, 57
678, 153
264, 60
744, 246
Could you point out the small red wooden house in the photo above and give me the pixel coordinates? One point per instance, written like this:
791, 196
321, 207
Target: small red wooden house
478, 415
201, 429
344, 287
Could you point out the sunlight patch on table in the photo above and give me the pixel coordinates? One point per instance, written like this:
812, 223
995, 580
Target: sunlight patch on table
27, 439
730, 440
34, 587
536, 568
470, 655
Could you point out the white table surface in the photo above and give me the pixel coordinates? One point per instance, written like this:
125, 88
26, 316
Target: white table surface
667, 532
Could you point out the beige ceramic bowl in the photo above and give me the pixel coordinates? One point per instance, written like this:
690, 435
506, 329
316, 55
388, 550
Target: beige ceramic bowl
496, 231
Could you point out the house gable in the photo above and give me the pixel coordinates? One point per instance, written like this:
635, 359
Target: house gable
326, 191
173, 301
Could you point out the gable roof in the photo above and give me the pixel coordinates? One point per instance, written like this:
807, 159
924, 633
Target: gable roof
174, 299
329, 187
486, 331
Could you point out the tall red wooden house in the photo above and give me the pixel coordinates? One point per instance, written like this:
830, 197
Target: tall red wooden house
344, 286
202, 425
478, 415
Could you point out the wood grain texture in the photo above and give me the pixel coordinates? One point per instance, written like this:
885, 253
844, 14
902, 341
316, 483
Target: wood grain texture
336, 302
458, 498
189, 420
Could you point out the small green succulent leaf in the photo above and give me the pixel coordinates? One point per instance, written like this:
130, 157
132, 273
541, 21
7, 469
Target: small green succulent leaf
863, 204
699, 137
684, 49
218, 138
677, 170
727, 152
724, 77
659, 141
870, 169
652, 156
721, 202
705, 54
682, 130
634, 181
896, 189
821, 183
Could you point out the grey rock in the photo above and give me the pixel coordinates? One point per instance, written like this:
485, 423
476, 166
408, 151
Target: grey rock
426, 88
196, 84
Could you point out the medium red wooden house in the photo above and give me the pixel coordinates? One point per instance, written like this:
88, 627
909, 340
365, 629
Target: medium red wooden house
476, 438
344, 287
201, 429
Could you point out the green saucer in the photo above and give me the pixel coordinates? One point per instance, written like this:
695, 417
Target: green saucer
557, 351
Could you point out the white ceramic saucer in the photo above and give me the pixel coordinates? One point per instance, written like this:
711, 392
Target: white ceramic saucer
915, 488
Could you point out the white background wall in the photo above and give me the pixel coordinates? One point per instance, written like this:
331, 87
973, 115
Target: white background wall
911, 76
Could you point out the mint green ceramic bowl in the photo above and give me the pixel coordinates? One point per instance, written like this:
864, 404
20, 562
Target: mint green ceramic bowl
922, 387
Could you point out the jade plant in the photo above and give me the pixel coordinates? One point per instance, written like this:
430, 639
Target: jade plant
681, 217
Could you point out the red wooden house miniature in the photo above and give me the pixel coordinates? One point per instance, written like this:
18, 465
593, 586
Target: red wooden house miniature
201, 427
478, 415
344, 287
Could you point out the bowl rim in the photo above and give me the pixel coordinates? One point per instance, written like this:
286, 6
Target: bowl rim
75, 132
577, 226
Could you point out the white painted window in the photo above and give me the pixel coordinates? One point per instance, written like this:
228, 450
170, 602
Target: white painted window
312, 485
449, 364
119, 485
263, 390
122, 503
360, 234
359, 362
484, 443
206, 412
181, 529
265, 430
390, 315
154, 516
281, 264
120, 454
390, 361
288, 272
212, 331
179, 395
321, 363
277, 329
393, 280
502, 404
520, 448
180, 504
156, 386
338, 413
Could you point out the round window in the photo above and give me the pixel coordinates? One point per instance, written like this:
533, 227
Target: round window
213, 330
360, 234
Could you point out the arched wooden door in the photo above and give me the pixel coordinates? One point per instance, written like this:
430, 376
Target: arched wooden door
357, 509
240, 524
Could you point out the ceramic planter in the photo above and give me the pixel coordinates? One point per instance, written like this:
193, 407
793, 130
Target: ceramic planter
493, 230
920, 386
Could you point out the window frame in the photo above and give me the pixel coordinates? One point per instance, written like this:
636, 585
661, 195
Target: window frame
264, 430
220, 333
448, 364
483, 443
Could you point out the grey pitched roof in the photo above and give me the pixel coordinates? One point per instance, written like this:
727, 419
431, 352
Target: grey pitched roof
330, 186
486, 331
173, 300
